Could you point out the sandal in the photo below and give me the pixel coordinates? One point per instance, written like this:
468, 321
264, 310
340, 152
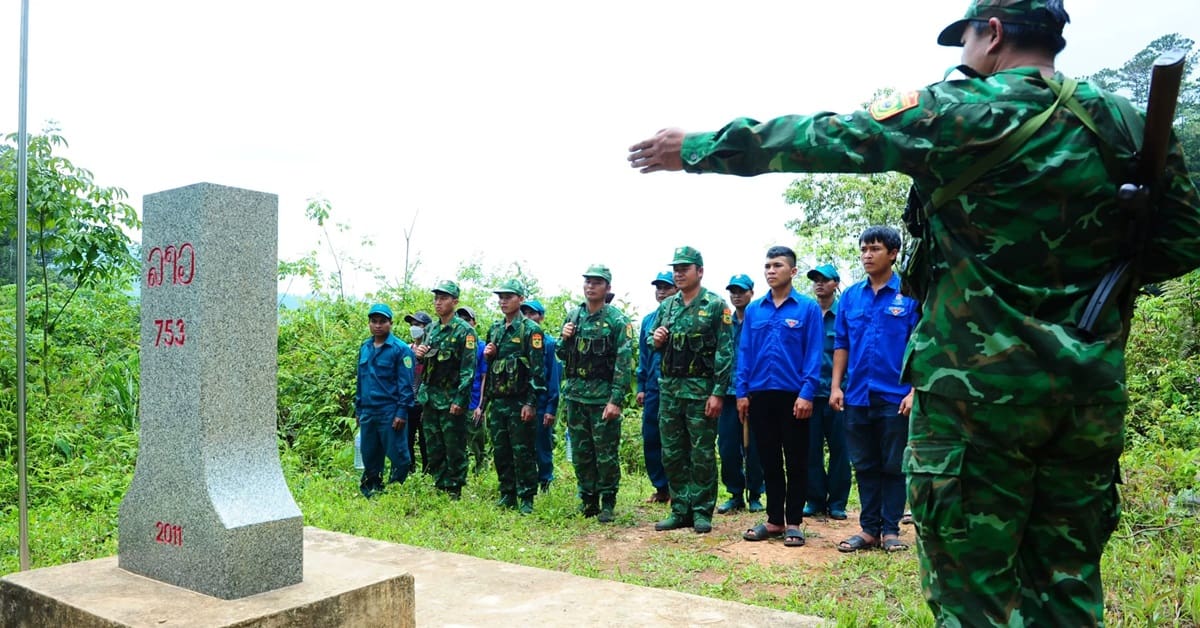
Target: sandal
894, 544
793, 538
759, 533
856, 543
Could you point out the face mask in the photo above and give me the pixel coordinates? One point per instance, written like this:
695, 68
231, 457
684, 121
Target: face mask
417, 332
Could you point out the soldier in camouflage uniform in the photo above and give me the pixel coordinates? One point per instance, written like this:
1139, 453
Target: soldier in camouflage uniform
596, 350
448, 355
695, 336
1019, 416
515, 353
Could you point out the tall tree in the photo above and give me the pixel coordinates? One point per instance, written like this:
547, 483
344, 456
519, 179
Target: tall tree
1132, 80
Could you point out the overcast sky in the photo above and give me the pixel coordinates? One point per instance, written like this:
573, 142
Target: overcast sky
501, 126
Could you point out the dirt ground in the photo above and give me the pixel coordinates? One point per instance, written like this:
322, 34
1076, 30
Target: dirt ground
625, 544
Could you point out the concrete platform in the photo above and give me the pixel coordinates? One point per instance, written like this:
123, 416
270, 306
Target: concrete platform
450, 590
337, 590
457, 590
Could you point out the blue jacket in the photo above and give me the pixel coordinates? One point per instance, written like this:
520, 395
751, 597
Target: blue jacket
830, 321
649, 361
385, 379
480, 371
548, 401
780, 347
874, 329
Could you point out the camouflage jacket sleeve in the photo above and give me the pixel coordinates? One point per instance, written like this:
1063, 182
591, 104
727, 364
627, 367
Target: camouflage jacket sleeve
1174, 246
722, 317
537, 363
623, 369
873, 140
562, 348
466, 345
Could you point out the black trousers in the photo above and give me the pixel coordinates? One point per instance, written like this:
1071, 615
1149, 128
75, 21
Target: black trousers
783, 451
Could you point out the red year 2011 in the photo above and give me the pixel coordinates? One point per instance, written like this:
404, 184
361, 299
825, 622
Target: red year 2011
171, 332
168, 534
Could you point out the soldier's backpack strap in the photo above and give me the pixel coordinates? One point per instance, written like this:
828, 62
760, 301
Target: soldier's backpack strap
1006, 148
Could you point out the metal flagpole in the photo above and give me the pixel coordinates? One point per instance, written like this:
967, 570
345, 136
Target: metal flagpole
22, 194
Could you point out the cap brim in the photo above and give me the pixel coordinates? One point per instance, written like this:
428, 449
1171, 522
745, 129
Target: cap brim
412, 320
815, 275
656, 282
952, 35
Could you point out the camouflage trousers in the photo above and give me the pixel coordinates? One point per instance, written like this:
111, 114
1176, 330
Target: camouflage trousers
1013, 506
595, 445
689, 441
445, 447
477, 444
512, 448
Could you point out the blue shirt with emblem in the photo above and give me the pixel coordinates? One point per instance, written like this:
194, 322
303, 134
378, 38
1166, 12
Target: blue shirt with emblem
873, 327
780, 346
385, 379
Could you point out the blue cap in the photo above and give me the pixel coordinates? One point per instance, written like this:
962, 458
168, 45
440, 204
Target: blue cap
741, 281
666, 277
380, 308
824, 272
534, 305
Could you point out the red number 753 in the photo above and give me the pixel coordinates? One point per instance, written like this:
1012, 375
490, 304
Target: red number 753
170, 332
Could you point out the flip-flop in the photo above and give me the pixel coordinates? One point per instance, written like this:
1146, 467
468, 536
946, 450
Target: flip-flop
759, 533
856, 543
793, 538
894, 545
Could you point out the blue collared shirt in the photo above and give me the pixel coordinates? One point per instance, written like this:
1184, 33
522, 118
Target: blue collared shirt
780, 347
385, 379
737, 342
873, 327
649, 360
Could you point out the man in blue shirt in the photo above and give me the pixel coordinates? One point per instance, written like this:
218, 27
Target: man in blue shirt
829, 490
547, 406
382, 398
740, 467
778, 371
874, 321
648, 372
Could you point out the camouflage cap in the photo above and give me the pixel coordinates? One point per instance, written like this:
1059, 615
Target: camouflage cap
599, 270
666, 277
687, 255
447, 287
1025, 12
511, 285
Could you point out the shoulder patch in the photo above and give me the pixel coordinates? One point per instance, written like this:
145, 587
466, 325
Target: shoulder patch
470, 341
536, 341
888, 106
727, 317
408, 362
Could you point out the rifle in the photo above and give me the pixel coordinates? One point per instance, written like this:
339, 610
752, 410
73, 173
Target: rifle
1135, 196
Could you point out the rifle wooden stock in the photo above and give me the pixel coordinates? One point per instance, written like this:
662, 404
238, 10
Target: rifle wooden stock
1165, 79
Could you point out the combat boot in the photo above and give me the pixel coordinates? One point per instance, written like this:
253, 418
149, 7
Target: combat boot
589, 506
608, 502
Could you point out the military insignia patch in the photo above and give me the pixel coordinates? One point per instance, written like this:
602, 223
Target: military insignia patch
791, 322
470, 341
727, 317
896, 311
888, 106
516, 339
536, 340
407, 362
629, 330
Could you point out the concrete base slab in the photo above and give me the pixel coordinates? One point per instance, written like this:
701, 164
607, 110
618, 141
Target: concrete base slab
338, 590
457, 590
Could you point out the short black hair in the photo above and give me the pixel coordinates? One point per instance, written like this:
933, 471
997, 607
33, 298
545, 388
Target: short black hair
782, 251
1047, 39
884, 235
